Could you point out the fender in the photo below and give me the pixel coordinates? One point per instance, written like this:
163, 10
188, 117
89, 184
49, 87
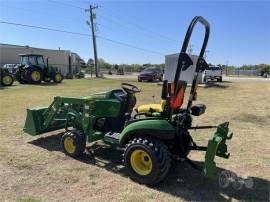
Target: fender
159, 128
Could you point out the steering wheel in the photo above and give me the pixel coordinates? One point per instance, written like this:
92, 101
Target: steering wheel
129, 88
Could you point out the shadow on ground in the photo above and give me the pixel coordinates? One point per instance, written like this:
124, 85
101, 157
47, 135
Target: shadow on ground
6, 87
212, 84
253, 118
48, 84
182, 181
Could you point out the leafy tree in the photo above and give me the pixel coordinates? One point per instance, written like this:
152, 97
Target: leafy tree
103, 64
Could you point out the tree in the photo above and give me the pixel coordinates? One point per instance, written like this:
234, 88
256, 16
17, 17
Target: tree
103, 64
90, 61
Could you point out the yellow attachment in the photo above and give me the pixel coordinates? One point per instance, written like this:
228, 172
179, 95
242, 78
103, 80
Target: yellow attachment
7, 80
58, 77
69, 145
35, 76
151, 107
141, 162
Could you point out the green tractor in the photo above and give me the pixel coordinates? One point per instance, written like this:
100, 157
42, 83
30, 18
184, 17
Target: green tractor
6, 78
151, 138
33, 69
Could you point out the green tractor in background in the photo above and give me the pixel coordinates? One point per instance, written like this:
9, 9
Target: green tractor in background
32, 69
151, 138
6, 78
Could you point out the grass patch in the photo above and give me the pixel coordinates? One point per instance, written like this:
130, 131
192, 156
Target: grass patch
50, 175
28, 199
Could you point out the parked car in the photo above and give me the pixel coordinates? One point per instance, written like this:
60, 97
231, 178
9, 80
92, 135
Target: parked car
150, 74
212, 73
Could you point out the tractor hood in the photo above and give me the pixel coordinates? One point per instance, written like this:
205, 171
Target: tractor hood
101, 95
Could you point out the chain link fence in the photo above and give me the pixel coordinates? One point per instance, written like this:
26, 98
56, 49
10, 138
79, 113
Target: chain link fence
242, 72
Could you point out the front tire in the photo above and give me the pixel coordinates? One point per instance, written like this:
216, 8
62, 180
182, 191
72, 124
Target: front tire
7, 80
147, 160
73, 143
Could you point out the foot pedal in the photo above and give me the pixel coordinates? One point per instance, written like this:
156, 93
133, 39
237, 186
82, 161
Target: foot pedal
112, 137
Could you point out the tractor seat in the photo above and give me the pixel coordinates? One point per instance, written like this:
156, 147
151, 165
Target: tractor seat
151, 107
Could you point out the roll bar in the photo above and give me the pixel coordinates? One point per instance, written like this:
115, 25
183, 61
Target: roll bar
189, 33
184, 61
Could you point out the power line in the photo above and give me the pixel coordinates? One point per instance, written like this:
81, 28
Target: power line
83, 34
66, 4
27, 10
131, 46
141, 28
174, 45
44, 28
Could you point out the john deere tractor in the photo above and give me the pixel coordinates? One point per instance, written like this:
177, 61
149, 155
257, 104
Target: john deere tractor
33, 69
151, 138
6, 78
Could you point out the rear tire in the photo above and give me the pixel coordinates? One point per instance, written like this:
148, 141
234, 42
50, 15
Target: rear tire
34, 75
147, 160
219, 79
73, 143
204, 79
57, 77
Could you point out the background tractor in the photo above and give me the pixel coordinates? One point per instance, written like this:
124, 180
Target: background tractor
6, 77
152, 138
32, 69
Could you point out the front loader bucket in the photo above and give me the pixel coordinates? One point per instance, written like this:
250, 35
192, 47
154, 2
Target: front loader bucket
216, 147
34, 120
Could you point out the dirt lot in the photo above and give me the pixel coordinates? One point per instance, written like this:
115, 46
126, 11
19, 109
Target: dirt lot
35, 169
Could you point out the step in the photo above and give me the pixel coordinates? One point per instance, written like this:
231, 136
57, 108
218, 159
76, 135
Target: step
112, 137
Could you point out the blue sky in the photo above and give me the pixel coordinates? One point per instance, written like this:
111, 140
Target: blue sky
240, 30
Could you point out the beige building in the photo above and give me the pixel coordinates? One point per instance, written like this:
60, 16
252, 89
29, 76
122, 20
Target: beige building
9, 54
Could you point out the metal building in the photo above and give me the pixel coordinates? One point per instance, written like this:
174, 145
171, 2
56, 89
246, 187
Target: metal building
65, 60
170, 69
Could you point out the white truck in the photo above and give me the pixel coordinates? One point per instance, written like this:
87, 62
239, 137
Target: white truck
212, 73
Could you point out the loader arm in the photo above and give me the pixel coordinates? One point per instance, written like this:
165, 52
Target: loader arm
45, 119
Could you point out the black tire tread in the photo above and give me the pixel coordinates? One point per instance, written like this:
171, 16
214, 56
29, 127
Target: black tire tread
54, 80
161, 153
79, 139
12, 78
29, 72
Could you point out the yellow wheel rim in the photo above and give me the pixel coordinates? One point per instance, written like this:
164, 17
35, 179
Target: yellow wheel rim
141, 162
58, 77
69, 145
35, 76
7, 80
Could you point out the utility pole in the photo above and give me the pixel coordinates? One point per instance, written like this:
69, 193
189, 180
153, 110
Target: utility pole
92, 16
